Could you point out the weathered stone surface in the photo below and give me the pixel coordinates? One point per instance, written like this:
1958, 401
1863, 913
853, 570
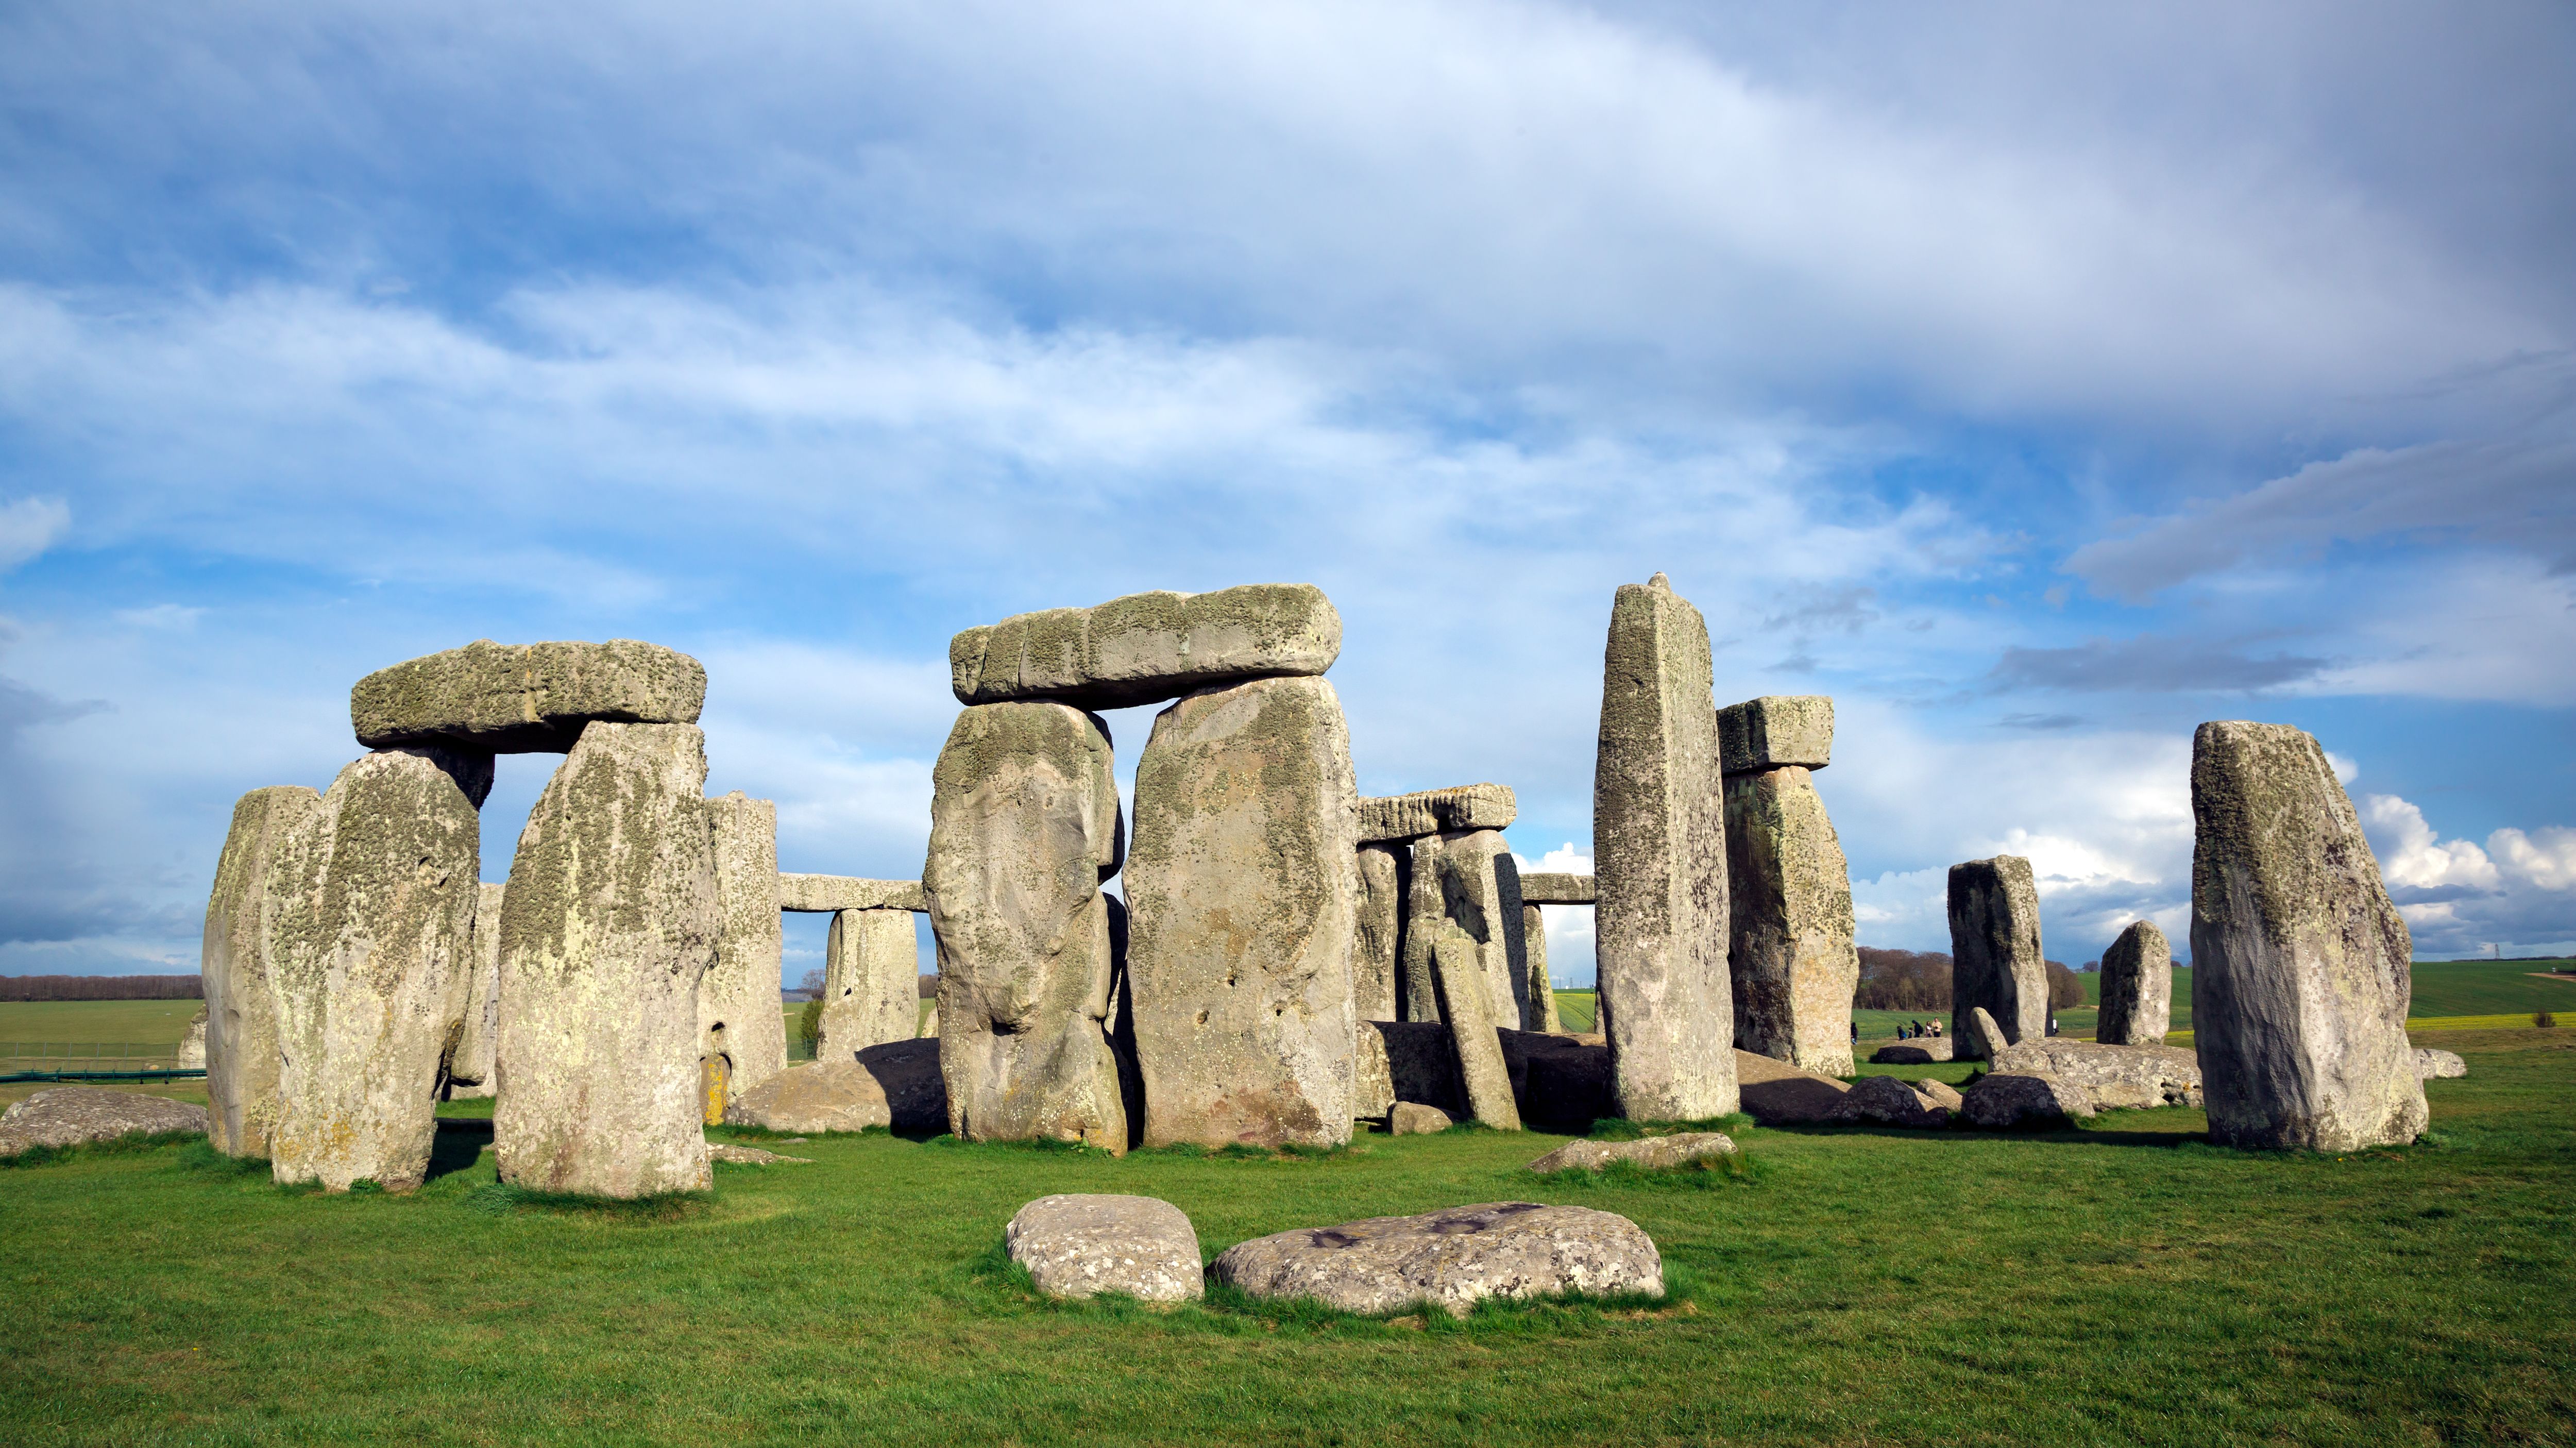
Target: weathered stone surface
608, 926
524, 698
1084, 1245
1467, 1009
1399, 1061
1886, 1101
1450, 1259
1412, 1118
871, 984
1659, 841
738, 1015
1390, 817
192, 1043
1982, 1038
1921, 1051
1555, 889
830, 894
2300, 965
2430, 1063
1937, 1093
1995, 959
1652, 1152
1539, 1011
896, 1085
241, 1010
2137, 988
475, 1044
1480, 893
1425, 905
370, 924
1148, 647
752, 1156
2004, 1101
1792, 950
1776, 1093
1774, 731
1386, 874
2113, 1076
1245, 889
1024, 825
74, 1115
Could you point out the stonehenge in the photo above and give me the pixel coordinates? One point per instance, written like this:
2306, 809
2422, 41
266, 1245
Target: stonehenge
1377, 951
241, 1011
475, 1042
870, 990
1791, 947
2301, 967
1995, 960
742, 1035
2137, 988
829, 894
524, 698
1148, 647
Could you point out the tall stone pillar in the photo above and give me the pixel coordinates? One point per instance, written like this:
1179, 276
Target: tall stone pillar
1659, 845
1245, 889
1793, 955
477, 1037
1024, 826
608, 929
1377, 961
738, 1003
1459, 967
1995, 959
241, 1010
370, 924
1425, 906
2137, 988
2301, 968
1542, 990
871, 983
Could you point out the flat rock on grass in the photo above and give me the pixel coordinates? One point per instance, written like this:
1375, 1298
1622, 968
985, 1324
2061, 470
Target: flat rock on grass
1923, 1051
1084, 1245
1887, 1101
2113, 1076
1776, 1093
72, 1115
2005, 1101
1652, 1152
1938, 1093
895, 1085
750, 1155
1448, 1258
2430, 1063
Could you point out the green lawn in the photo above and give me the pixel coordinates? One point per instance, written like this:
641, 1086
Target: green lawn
2125, 1284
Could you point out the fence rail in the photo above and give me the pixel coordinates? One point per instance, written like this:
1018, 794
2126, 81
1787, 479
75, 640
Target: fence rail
22, 1061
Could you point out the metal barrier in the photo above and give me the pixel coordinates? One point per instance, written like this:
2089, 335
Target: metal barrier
22, 1061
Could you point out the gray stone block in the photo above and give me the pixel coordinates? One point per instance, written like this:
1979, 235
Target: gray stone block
1436, 812
1995, 959
1466, 1005
524, 698
738, 1016
871, 982
241, 1009
1774, 731
1543, 888
1147, 647
829, 894
1386, 872
1083, 1245
477, 1036
2137, 988
1450, 1259
1792, 950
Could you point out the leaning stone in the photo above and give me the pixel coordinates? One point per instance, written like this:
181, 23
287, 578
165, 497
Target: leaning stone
1792, 946
1412, 1118
1776, 731
739, 1021
2300, 965
1147, 647
76, 1115
1659, 837
477, 1037
525, 698
1995, 959
1084, 1245
1377, 957
1652, 1152
2137, 988
1244, 883
1983, 1039
751, 1155
1886, 1101
1436, 812
2430, 1063
1776, 1093
896, 1085
1554, 889
609, 924
829, 894
1024, 826
1480, 893
1541, 1013
241, 1010
1922, 1051
1449, 1259
370, 937
1466, 1008
871, 984
2004, 1101
2134, 1077
192, 1043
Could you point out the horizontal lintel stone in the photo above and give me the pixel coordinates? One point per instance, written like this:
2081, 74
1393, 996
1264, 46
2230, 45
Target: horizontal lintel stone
1538, 889
826, 894
524, 698
1147, 647
1775, 730
1436, 812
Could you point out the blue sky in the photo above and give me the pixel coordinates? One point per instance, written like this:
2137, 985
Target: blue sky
2037, 381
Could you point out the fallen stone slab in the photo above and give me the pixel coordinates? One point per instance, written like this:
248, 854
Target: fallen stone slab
1938, 1093
1922, 1051
1651, 1153
241, 1009
1887, 1101
751, 1155
2138, 1077
1776, 1093
1147, 647
1084, 1244
75, 1115
2137, 988
828, 894
1450, 1259
2006, 1101
525, 698
1776, 731
1412, 1118
2430, 1063
1436, 812
896, 1085
1552, 888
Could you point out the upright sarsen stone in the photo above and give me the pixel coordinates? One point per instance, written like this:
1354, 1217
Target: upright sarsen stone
1244, 886
370, 925
739, 1020
1794, 957
1480, 893
1995, 959
1377, 961
2300, 965
241, 1012
607, 930
1024, 826
1542, 990
1659, 845
871, 989
2137, 988
476, 1043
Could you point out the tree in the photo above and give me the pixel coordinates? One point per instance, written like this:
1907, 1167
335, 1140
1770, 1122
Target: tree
809, 1025
2065, 989
811, 987
1902, 980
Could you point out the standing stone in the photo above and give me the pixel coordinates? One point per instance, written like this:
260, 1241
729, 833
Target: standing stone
1542, 990
1480, 893
871, 988
1994, 950
1377, 961
241, 1010
192, 1045
370, 926
476, 1042
1245, 888
1425, 905
739, 1021
1466, 1000
608, 928
1659, 841
1794, 958
2300, 965
1024, 826
2137, 988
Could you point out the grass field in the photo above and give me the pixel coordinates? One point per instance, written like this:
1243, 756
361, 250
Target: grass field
2125, 1284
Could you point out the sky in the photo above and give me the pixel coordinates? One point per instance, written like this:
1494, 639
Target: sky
2037, 381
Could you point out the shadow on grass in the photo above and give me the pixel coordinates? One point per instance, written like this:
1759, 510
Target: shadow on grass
1736, 1168
131, 1144
500, 1199
1620, 1128
457, 1145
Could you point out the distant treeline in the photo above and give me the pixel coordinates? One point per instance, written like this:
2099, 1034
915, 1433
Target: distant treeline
102, 988
1919, 980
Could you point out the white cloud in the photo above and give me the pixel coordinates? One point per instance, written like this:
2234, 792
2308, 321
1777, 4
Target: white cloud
167, 617
29, 526
2517, 893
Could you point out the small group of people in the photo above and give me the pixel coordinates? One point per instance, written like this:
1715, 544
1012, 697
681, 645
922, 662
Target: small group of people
1916, 1030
